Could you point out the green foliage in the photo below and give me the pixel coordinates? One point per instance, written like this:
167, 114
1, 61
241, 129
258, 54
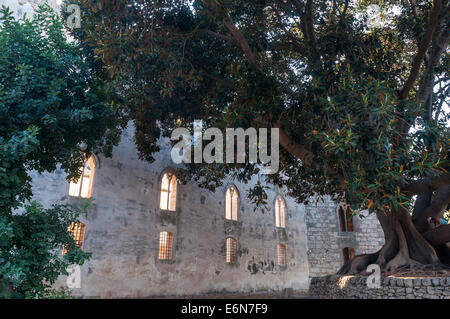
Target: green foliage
50, 102
30, 248
57, 294
335, 91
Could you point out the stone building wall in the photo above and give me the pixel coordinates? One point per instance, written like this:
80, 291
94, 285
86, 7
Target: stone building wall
122, 232
28, 7
355, 287
326, 241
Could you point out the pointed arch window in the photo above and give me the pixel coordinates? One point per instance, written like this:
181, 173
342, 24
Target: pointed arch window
231, 203
280, 208
168, 192
83, 186
345, 218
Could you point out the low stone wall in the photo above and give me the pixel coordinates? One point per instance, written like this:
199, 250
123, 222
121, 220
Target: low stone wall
355, 287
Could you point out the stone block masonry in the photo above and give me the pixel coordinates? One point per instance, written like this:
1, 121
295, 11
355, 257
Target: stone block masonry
355, 287
326, 241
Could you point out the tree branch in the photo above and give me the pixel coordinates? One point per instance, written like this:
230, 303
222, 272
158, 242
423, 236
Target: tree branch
436, 208
241, 40
423, 200
215, 35
295, 149
440, 42
423, 47
299, 9
306, 17
426, 184
309, 20
438, 235
218, 79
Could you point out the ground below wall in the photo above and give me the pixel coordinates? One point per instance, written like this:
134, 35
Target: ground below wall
355, 287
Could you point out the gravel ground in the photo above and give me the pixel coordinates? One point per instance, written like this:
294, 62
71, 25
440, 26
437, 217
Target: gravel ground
256, 295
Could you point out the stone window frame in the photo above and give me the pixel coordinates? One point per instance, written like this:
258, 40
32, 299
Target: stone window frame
228, 186
169, 170
274, 211
344, 208
96, 165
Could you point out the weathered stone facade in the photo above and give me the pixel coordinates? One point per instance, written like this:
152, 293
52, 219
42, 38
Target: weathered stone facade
326, 241
28, 7
355, 287
122, 232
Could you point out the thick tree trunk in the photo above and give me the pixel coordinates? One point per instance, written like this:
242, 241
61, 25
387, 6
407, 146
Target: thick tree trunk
410, 241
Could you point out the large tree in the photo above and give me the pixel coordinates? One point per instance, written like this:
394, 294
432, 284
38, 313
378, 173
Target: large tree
361, 101
50, 103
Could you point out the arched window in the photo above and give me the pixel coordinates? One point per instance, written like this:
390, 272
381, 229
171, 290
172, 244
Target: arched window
83, 187
279, 212
231, 250
165, 245
281, 254
345, 218
76, 230
348, 253
231, 203
168, 192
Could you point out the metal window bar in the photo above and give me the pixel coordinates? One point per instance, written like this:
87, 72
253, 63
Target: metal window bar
231, 250
165, 246
76, 230
281, 254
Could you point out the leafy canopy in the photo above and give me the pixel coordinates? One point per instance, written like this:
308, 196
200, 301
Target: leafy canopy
357, 114
49, 103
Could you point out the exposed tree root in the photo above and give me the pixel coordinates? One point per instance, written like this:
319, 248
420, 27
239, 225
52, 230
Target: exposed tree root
443, 252
358, 264
406, 249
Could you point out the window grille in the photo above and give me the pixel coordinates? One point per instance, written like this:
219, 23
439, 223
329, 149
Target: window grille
165, 246
76, 230
231, 250
281, 254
